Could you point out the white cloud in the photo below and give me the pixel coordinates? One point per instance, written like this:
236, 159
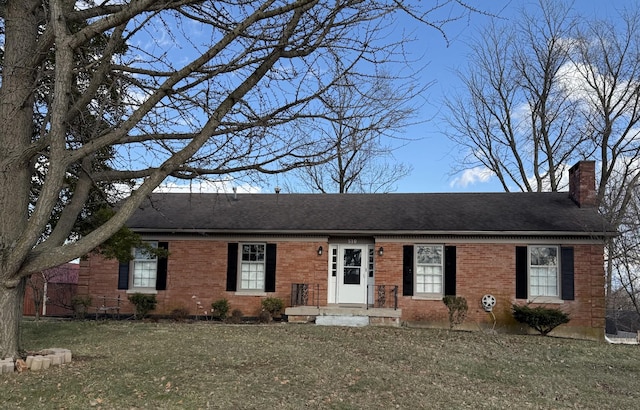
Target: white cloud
563, 184
471, 176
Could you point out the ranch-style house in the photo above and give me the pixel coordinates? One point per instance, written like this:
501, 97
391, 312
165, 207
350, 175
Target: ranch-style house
357, 259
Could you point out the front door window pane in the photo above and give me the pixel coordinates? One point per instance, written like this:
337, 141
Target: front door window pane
352, 266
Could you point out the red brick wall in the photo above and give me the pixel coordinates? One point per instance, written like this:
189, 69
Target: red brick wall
489, 268
198, 268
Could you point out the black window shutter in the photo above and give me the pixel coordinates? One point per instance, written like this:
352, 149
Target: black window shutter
123, 275
161, 276
270, 268
566, 266
521, 273
407, 270
232, 267
450, 270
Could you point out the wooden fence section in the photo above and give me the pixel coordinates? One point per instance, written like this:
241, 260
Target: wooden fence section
58, 300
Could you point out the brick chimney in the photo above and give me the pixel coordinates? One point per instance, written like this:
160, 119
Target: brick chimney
582, 184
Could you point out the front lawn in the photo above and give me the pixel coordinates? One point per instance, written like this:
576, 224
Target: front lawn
204, 365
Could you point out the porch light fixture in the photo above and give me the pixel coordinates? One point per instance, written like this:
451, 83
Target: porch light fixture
320, 251
381, 251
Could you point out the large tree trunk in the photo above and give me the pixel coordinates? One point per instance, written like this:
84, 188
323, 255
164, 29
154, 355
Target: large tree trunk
11, 304
16, 131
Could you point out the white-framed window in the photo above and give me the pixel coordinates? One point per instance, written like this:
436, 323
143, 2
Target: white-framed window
429, 269
252, 266
145, 267
544, 277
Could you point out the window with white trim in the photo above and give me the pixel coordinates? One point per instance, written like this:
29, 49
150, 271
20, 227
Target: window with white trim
543, 271
252, 266
429, 269
145, 267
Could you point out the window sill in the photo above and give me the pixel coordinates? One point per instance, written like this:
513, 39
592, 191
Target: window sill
250, 293
427, 297
546, 299
146, 291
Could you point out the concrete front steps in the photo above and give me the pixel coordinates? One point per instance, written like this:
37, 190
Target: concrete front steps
344, 316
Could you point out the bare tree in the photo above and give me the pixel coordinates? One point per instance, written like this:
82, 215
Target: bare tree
36, 283
39, 282
171, 88
608, 63
516, 116
363, 118
548, 89
626, 263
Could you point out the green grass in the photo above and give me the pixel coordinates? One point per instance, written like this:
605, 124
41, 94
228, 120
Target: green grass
205, 365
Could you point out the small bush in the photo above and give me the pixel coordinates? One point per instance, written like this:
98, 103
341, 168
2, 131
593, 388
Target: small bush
179, 314
542, 319
143, 303
274, 306
220, 309
264, 317
458, 308
80, 305
236, 316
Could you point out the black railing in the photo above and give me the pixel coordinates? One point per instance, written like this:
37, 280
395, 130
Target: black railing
308, 294
384, 296
305, 294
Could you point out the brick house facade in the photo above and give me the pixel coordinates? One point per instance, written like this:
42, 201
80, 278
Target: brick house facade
395, 251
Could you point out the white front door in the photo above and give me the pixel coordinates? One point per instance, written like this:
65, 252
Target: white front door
352, 274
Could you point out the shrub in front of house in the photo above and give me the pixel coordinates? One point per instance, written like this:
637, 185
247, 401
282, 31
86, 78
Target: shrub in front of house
80, 304
236, 316
220, 309
458, 307
264, 317
542, 319
274, 306
179, 314
143, 304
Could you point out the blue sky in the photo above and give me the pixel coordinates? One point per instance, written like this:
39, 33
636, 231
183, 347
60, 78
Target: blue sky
429, 152
432, 154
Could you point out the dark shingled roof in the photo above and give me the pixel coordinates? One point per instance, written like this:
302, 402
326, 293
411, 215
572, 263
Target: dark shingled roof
335, 214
